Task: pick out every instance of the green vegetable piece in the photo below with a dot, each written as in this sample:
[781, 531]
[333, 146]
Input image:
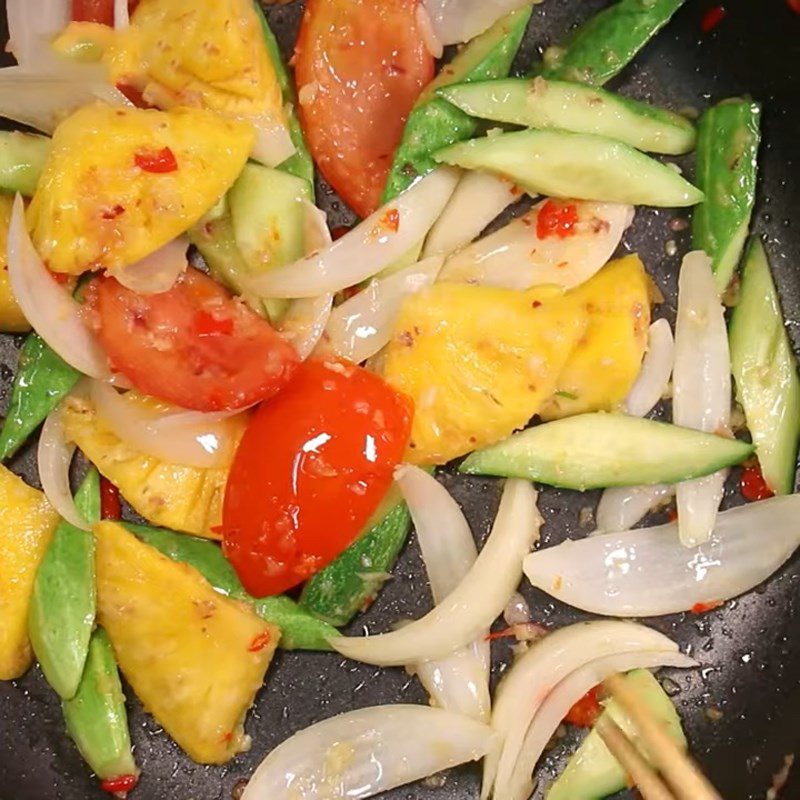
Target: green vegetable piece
[61, 615]
[96, 717]
[299, 629]
[540, 103]
[765, 371]
[593, 773]
[434, 123]
[22, 157]
[608, 41]
[727, 152]
[575, 165]
[343, 588]
[43, 380]
[593, 451]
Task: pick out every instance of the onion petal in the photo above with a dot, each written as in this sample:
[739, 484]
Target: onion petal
[621, 507]
[701, 387]
[383, 237]
[32, 27]
[456, 21]
[273, 144]
[647, 572]
[121, 15]
[558, 703]
[54, 457]
[514, 257]
[364, 752]
[49, 307]
[655, 372]
[157, 272]
[362, 325]
[476, 201]
[474, 604]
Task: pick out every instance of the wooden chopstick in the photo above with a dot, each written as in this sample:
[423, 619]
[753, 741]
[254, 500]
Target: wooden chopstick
[684, 777]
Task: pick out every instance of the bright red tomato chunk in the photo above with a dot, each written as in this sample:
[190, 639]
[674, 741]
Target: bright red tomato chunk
[101, 11]
[312, 467]
[753, 486]
[360, 66]
[586, 711]
[193, 345]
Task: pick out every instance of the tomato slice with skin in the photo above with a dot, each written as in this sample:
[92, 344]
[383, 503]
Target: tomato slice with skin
[193, 345]
[311, 469]
[360, 66]
[101, 11]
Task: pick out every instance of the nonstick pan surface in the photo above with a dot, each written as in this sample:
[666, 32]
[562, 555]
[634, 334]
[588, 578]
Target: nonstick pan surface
[742, 710]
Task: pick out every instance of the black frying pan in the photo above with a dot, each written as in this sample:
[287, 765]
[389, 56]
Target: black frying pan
[753, 664]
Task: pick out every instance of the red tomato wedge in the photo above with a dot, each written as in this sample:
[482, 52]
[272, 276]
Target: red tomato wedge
[360, 66]
[312, 467]
[101, 11]
[194, 345]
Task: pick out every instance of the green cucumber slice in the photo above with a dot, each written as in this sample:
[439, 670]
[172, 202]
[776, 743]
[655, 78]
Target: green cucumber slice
[593, 773]
[574, 165]
[727, 153]
[594, 451]
[540, 103]
[765, 370]
[22, 157]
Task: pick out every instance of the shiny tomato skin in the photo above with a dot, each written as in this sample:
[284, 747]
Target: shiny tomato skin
[101, 11]
[166, 346]
[311, 469]
[360, 66]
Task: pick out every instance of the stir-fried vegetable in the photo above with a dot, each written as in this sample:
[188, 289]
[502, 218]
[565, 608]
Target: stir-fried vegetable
[12, 319]
[22, 159]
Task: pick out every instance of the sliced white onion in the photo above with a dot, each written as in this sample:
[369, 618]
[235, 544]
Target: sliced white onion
[32, 27]
[516, 258]
[656, 370]
[43, 99]
[362, 325]
[534, 675]
[621, 507]
[48, 306]
[456, 21]
[475, 603]
[458, 682]
[517, 611]
[305, 319]
[121, 15]
[701, 396]
[53, 458]
[365, 752]
[647, 572]
[565, 695]
[476, 201]
[176, 436]
[273, 144]
[383, 237]
[157, 272]
[432, 42]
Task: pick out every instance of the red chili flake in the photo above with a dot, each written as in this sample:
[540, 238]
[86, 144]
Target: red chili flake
[536, 304]
[120, 784]
[586, 711]
[702, 608]
[390, 221]
[712, 18]
[556, 219]
[60, 277]
[156, 161]
[260, 642]
[206, 324]
[794, 5]
[134, 94]
[337, 233]
[503, 634]
[672, 515]
[226, 737]
[752, 485]
[368, 601]
[110, 506]
[113, 213]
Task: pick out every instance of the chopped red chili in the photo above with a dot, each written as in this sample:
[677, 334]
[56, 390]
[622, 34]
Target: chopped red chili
[260, 642]
[586, 711]
[156, 161]
[113, 213]
[110, 505]
[390, 221]
[206, 324]
[712, 18]
[702, 608]
[503, 634]
[120, 784]
[752, 485]
[556, 219]
[672, 515]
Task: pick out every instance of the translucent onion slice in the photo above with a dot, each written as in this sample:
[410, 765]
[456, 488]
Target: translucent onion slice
[533, 676]
[476, 201]
[273, 144]
[460, 681]
[456, 21]
[365, 752]
[383, 237]
[362, 325]
[516, 258]
[32, 27]
[47, 305]
[656, 369]
[647, 572]
[171, 434]
[157, 272]
[473, 605]
[701, 396]
[565, 695]
[428, 34]
[621, 507]
[121, 15]
[54, 457]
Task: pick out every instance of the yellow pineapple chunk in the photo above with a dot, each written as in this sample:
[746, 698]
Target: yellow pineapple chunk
[194, 657]
[478, 362]
[99, 202]
[606, 362]
[12, 320]
[177, 496]
[26, 526]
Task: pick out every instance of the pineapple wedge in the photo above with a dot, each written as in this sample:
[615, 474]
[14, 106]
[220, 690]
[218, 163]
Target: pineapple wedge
[194, 657]
[176, 496]
[12, 320]
[478, 362]
[28, 522]
[120, 183]
[606, 362]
